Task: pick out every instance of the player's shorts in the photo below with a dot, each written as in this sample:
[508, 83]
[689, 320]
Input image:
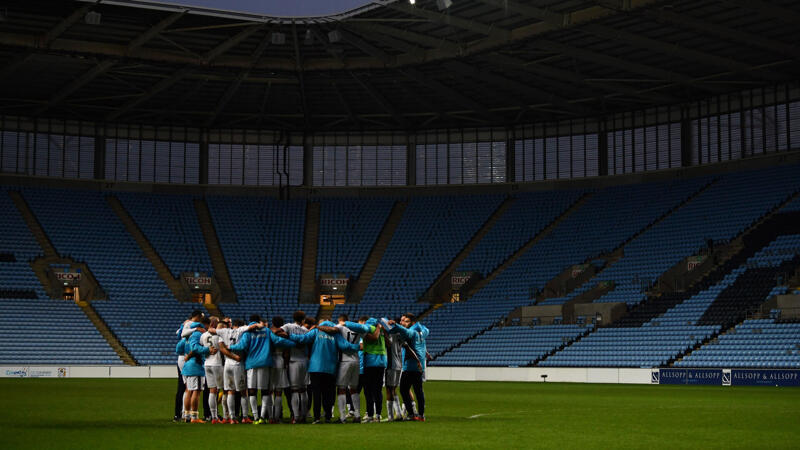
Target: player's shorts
[392, 377]
[258, 378]
[214, 377]
[234, 378]
[347, 375]
[194, 383]
[298, 374]
[278, 380]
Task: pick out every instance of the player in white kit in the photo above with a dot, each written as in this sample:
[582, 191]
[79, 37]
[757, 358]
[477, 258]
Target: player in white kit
[348, 370]
[298, 370]
[394, 357]
[214, 369]
[233, 375]
[278, 378]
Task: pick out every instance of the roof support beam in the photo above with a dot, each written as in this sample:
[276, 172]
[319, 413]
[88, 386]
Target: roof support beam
[299, 68]
[768, 9]
[545, 15]
[105, 66]
[346, 106]
[524, 89]
[237, 82]
[64, 25]
[611, 61]
[453, 94]
[366, 47]
[409, 36]
[381, 100]
[675, 50]
[705, 27]
[572, 77]
[223, 47]
[158, 87]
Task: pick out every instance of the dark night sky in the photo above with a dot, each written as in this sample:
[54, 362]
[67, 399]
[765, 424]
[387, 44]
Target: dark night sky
[279, 7]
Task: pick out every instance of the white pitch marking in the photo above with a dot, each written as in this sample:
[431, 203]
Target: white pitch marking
[489, 414]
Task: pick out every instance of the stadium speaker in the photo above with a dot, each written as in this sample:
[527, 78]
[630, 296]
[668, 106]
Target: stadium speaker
[278, 38]
[92, 18]
[444, 4]
[334, 36]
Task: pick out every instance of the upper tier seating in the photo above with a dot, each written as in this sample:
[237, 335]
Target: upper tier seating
[348, 230]
[601, 224]
[431, 233]
[170, 224]
[262, 240]
[529, 214]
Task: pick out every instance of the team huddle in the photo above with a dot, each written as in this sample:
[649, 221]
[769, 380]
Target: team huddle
[310, 363]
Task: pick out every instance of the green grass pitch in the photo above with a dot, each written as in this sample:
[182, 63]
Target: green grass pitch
[125, 413]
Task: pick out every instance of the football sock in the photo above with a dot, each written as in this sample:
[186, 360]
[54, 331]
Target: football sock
[245, 406]
[356, 404]
[254, 406]
[296, 409]
[266, 406]
[303, 404]
[342, 401]
[225, 411]
[231, 405]
[212, 405]
[277, 407]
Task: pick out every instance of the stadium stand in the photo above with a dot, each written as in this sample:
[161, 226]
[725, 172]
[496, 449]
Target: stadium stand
[595, 228]
[755, 343]
[432, 231]
[528, 215]
[348, 230]
[140, 309]
[170, 224]
[513, 345]
[262, 240]
[26, 320]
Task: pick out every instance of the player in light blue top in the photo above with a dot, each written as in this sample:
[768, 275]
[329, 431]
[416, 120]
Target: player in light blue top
[326, 343]
[257, 346]
[194, 372]
[414, 334]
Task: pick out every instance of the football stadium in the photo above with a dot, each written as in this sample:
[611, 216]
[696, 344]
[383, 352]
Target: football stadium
[400, 223]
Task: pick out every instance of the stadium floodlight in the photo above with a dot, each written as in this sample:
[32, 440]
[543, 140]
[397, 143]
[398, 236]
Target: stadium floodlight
[444, 4]
[278, 38]
[309, 37]
[92, 18]
[412, 1]
[334, 36]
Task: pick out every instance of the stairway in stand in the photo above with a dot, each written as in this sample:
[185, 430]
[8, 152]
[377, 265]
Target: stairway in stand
[308, 273]
[525, 247]
[375, 255]
[325, 312]
[50, 253]
[147, 248]
[462, 255]
[106, 332]
[215, 251]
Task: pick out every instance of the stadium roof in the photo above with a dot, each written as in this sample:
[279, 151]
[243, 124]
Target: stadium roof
[387, 65]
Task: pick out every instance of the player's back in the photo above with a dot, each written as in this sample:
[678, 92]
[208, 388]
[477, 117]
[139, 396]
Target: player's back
[297, 353]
